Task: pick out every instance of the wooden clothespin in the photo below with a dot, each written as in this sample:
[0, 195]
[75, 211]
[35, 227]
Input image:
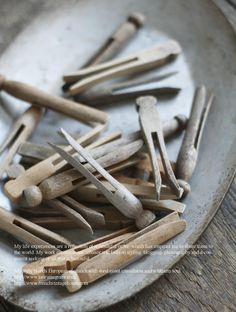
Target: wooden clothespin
[122, 199]
[123, 90]
[25, 186]
[33, 153]
[188, 153]
[152, 132]
[36, 272]
[40, 98]
[90, 194]
[122, 35]
[124, 252]
[29, 232]
[21, 131]
[66, 181]
[138, 62]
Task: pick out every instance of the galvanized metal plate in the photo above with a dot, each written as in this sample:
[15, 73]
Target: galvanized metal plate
[60, 39]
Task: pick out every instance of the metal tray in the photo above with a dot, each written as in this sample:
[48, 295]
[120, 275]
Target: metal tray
[59, 39]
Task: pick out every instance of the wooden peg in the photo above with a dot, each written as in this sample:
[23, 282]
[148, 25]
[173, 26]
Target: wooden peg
[123, 91]
[122, 35]
[188, 153]
[44, 169]
[135, 63]
[122, 199]
[36, 272]
[90, 194]
[40, 98]
[32, 152]
[151, 129]
[119, 38]
[21, 131]
[28, 232]
[122, 254]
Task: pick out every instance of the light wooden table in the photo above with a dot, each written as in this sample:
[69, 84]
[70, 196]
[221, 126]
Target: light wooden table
[204, 282]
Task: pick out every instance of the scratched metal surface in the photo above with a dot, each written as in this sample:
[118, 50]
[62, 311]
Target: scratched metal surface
[61, 38]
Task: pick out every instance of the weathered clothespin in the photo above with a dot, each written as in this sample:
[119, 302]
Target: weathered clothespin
[152, 132]
[124, 252]
[21, 131]
[123, 91]
[122, 199]
[32, 153]
[188, 153]
[144, 60]
[122, 35]
[30, 233]
[36, 272]
[40, 98]
[89, 193]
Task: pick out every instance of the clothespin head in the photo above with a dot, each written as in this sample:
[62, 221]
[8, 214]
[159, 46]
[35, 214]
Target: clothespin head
[137, 18]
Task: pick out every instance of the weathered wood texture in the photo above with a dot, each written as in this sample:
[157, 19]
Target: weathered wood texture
[205, 282]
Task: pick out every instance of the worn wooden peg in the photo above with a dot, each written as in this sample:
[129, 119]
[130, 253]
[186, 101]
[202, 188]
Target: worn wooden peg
[152, 132]
[40, 98]
[135, 63]
[122, 253]
[188, 153]
[122, 35]
[122, 199]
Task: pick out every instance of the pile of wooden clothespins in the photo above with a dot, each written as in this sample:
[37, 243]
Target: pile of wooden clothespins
[117, 181]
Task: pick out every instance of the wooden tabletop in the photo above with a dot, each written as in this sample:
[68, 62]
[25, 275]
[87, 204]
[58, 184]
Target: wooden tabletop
[200, 282]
